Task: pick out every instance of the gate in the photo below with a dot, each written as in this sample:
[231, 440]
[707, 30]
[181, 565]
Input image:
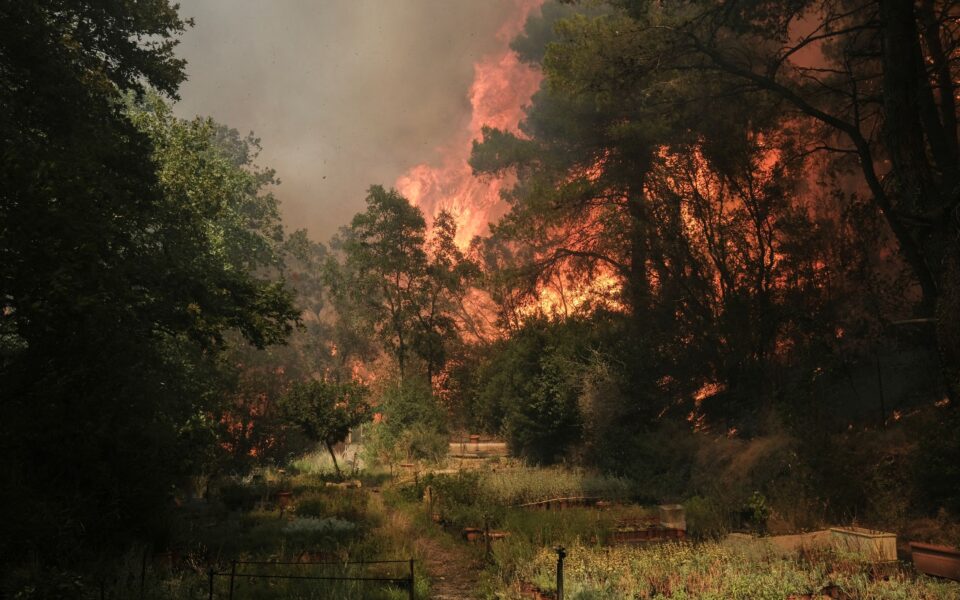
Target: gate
[239, 570]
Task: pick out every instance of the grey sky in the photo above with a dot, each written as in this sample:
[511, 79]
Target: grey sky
[343, 93]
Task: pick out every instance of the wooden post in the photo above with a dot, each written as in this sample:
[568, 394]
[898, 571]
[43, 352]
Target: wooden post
[486, 535]
[210, 583]
[233, 574]
[412, 581]
[561, 554]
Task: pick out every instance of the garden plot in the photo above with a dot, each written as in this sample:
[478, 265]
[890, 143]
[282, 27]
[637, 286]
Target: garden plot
[617, 549]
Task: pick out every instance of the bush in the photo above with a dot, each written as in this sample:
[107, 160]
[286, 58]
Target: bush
[544, 424]
[421, 442]
[661, 462]
[706, 518]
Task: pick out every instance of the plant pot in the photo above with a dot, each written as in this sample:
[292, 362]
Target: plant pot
[875, 545]
[934, 559]
[284, 498]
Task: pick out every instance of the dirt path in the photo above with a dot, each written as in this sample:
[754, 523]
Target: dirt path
[453, 570]
[454, 573]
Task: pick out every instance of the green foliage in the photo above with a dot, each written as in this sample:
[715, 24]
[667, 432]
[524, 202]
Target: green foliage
[662, 459]
[546, 424]
[756, 512]
[384, 256]
[413, 426]
[399, 281]
[132, 242]
[528, 387]
[229, 227]
[706, 517]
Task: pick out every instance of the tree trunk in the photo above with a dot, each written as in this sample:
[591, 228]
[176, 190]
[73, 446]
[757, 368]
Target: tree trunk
[903, 132]
[336, 467]
[917, 189]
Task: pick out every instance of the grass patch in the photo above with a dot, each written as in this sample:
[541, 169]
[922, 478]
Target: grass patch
[711, 571]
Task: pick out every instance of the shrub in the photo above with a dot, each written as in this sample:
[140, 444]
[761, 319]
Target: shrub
[544, 424]
[706, 518]
[661, 461]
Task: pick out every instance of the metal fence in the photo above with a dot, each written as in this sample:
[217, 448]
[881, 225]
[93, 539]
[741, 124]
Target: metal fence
[238, 571]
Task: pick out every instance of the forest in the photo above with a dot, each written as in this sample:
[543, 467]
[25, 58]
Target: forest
[726, 278]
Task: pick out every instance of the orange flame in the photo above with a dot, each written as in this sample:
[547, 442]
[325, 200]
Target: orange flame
[502, 85]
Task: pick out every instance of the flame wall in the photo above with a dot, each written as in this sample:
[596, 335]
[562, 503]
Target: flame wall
[501, 86]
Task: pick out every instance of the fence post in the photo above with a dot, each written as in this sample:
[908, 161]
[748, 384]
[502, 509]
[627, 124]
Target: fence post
[210, 583]
[561, 554]
[412, 581]
[486, 535]
[233, 574]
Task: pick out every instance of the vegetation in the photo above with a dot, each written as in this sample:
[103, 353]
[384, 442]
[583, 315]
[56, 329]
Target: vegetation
[713, 571]
[728, 276]
[326, 412]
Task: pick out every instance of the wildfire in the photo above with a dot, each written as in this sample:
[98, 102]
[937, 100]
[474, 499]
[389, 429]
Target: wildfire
[502, 85]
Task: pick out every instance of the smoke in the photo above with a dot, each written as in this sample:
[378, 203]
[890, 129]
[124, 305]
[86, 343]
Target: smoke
[343, 94]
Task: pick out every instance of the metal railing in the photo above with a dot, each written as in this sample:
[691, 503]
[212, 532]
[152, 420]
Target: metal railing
[407, 581]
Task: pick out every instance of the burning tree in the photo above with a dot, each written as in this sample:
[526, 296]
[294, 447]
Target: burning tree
[690, 154]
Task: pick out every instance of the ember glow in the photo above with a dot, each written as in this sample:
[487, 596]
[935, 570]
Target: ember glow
[502, 85]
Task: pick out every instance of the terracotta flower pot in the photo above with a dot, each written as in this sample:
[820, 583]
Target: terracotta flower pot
[933, 559]
[284, 498]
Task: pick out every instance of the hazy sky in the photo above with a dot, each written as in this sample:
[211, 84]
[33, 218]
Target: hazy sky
[343, 93]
